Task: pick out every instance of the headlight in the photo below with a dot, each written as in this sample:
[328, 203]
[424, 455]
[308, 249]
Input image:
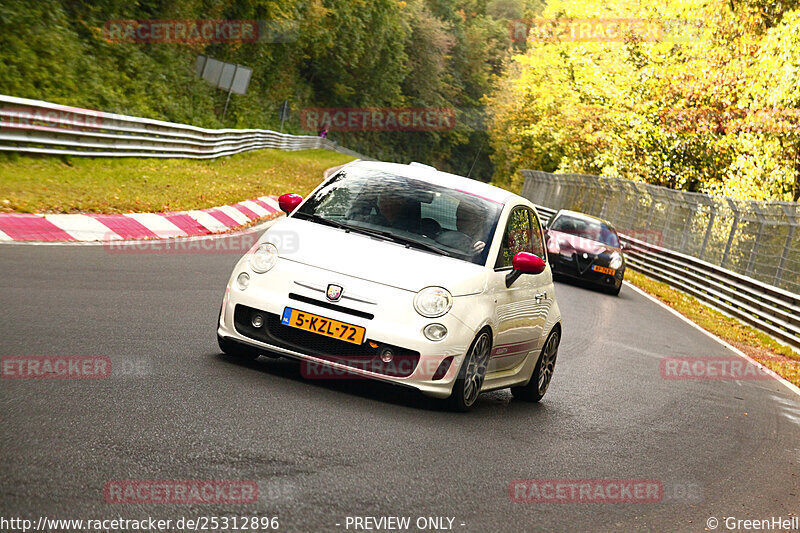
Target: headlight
[264, 258]
[552, 245]
[432, 302]
[616, 260]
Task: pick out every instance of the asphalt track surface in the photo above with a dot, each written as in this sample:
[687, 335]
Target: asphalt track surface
[323, 451]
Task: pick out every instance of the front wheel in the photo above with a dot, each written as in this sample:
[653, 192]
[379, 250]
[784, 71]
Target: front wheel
[473, 371]
[542, 374]
[614, 289]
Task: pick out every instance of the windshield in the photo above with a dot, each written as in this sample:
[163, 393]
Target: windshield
[588, 229]
[412, 212]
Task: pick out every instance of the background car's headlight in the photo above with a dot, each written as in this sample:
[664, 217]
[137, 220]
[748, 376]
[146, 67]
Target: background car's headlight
[264, 258]
[553, 246]
[432, 302]
[616, 260]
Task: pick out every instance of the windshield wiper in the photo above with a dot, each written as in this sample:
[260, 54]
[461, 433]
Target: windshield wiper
[323, 220]
[388, 235]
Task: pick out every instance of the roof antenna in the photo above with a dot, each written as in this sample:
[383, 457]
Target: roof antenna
[476, 157]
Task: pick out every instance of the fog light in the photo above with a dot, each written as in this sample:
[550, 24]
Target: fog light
[435, 332]
[257, 321]
[243, 281]
[387, 355]
[444, 366]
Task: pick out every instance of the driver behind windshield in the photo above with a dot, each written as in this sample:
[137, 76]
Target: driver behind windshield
[397, 211]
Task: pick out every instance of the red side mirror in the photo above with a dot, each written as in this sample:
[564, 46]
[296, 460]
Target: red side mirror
[528, 263]
[289, 202]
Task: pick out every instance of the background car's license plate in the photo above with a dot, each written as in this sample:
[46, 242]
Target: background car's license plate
[604, 270]
[323, 326]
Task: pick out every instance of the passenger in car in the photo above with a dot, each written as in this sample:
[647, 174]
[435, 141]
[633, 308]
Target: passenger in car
[470, 221]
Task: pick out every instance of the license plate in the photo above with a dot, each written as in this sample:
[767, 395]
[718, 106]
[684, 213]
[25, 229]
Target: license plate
[323, 326]
[603, 270]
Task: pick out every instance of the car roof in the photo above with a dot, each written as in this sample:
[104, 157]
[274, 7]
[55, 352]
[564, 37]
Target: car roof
[445, 179]
[584, 216]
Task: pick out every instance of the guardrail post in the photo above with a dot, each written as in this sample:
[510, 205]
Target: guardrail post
[531, 186]
[540, 188]
[653, 201]
[554, 191]
[594, 200]
[667, 220]
[688, 222]
[589, 192]
[784, 256]
[759, 236]
[786, 246]
[711, 217]
[633, 213]
[734, 226]
[604, 207]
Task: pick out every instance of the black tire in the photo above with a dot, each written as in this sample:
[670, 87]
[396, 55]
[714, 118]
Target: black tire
[234, 349]
[614, 290]
[467, 387]
[537, 386]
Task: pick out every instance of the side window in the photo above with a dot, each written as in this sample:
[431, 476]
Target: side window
[516, 238]
[537, 237]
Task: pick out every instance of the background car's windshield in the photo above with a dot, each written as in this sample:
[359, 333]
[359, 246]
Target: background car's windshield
[588, 229]
[453, 222]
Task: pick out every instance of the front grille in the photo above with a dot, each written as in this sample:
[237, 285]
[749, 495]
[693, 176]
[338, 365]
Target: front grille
[328, 305]
[361, 356]
[584, 265]
[576, 266]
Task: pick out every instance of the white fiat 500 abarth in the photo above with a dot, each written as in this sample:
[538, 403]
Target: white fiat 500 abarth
[403, 274]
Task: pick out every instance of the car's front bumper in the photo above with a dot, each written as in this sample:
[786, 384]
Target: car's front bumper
[568, 266]
[387, 313]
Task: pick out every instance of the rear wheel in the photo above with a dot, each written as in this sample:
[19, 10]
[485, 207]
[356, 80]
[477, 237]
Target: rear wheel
[543, 373]
[235, 349]
[470, 378]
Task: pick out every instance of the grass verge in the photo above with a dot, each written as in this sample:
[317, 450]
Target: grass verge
[760, 346]
[119, 185]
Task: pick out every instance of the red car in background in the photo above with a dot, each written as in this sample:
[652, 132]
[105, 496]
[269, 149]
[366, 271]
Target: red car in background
[587, 248]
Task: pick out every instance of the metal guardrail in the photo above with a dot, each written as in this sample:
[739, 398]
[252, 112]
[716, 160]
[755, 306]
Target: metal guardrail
[770, 309]
[38, 127]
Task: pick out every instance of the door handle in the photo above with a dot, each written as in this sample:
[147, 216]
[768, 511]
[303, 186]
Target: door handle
[540, 296]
